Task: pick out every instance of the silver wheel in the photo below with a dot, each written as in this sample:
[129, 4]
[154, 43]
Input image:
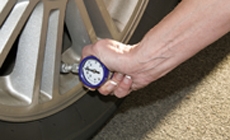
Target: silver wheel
[36, 35]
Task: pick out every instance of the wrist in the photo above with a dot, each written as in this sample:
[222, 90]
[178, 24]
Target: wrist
[132, 60]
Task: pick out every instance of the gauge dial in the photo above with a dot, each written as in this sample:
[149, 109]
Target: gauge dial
[93, 73]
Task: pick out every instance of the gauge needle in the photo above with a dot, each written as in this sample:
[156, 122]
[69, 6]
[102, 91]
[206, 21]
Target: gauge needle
[92, 70]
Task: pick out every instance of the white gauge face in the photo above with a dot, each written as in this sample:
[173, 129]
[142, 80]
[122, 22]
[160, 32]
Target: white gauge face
[93, 72]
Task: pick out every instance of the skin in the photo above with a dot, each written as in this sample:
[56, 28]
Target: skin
[189, 28]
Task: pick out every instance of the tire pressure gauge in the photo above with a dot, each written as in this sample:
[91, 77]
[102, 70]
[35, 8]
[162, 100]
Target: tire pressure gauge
[92, 72]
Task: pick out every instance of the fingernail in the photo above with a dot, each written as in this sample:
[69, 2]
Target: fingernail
[127, 79]
[110, 85]
[113, 83]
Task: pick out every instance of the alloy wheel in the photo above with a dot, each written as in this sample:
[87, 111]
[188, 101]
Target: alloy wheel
[37, 35]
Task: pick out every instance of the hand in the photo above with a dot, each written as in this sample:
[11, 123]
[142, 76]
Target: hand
[126, 63]
[112, 54]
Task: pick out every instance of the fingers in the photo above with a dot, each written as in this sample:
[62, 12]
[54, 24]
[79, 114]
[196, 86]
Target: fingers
[124, 88]
[108, 87]
[111, 84]
[119, 85]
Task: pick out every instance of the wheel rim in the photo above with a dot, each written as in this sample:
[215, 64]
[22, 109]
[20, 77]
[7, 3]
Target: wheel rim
[41, 34]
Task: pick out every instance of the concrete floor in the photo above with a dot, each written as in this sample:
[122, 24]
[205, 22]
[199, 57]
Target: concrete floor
[191, 102]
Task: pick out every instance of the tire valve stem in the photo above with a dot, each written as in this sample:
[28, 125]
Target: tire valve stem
[68, 68]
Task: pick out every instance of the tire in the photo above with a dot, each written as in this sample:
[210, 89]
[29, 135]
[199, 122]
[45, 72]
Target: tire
[35, 36]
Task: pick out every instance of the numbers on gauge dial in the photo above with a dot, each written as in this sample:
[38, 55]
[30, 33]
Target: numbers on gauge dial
[93, 72]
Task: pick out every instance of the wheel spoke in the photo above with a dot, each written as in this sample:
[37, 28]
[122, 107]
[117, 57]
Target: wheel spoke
[115, 19]
[13, 24]
[81, 33]
[79, 26]
[100, 18]
[24, 77]
[42, 36]
[53, 47]
[5, 8]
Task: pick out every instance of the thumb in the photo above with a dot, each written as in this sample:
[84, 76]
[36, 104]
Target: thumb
[86, 51]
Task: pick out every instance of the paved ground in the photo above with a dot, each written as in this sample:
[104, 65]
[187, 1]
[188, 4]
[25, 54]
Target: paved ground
[191, 102]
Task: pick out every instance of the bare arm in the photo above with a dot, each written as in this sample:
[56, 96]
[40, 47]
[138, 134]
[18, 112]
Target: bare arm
[190, 27]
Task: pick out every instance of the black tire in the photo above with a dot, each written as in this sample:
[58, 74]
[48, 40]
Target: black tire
[86, 116]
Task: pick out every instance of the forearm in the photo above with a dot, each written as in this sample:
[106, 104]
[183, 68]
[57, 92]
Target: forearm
[189, 28]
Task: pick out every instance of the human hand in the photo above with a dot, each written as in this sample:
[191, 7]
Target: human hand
[112, 54]
[122, 60]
